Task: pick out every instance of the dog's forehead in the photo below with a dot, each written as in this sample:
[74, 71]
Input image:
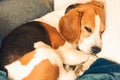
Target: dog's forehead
[88, 22]
[88, 17]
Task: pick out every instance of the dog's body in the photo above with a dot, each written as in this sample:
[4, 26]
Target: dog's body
[77, 29]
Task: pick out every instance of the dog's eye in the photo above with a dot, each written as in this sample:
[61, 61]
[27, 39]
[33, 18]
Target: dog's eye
[88, 29]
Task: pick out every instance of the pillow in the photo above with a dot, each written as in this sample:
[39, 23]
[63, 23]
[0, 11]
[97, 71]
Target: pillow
[111, 36]
[16, 12]
[60, 4]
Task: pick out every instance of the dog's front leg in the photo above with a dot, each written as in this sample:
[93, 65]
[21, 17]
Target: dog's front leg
[72, 56]
[79, 59]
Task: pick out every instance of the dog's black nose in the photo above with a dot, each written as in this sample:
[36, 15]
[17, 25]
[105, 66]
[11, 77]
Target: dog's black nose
[96, 49]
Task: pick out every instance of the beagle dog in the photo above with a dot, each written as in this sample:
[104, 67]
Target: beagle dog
[71, 42]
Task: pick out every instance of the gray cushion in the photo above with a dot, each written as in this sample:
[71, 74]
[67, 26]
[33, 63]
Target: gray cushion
[16, 12]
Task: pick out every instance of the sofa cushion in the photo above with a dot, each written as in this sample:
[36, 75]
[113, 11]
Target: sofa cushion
[16, 12]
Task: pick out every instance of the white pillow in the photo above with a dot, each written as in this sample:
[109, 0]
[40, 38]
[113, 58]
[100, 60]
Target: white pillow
[60, 4]
[111, 36]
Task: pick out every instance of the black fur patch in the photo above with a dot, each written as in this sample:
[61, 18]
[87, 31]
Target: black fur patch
[71, 7]
[21, 40]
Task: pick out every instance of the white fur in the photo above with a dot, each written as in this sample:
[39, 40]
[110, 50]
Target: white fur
[93, 40]
[17, 71]
[70, 55]
[84, 66]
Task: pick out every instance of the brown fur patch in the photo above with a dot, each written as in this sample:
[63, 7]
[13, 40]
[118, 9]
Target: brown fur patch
[44, 71]
[55, 37]
[27, 58]
[70, 25]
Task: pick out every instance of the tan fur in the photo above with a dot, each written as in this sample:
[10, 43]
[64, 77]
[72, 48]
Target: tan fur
[69, 26]
[99, 11]
[44, 71]
[55, 37]
[27, 57]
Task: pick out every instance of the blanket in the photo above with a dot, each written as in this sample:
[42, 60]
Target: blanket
[100, 71]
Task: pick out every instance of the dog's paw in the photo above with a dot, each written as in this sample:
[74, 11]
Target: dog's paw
[69, 75]
[40, 44]
[88, 63]
[81, 68]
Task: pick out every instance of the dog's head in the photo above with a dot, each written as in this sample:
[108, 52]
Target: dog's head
[83, 25]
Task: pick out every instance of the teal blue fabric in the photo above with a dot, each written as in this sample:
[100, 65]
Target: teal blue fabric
[3, 76]
[101, 76]
[102, 69]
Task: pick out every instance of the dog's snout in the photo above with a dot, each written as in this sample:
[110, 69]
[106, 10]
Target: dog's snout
[96, 49]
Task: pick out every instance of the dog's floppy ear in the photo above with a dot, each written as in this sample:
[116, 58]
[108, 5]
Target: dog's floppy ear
[70, 25]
